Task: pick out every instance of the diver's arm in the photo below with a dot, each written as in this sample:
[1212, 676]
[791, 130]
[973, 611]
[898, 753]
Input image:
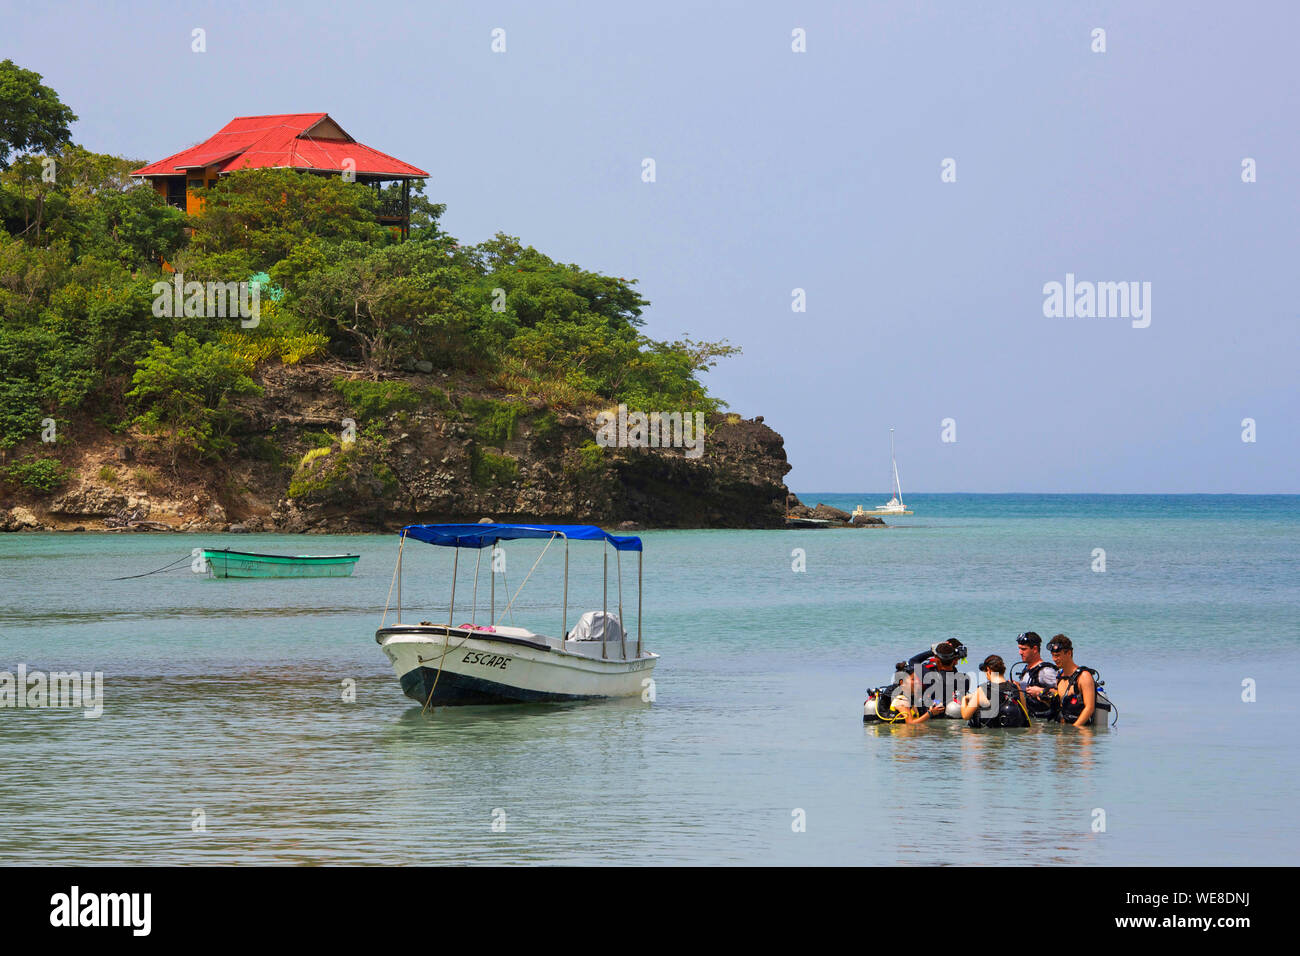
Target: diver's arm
[922, 715]
[972, 703]
[923, 656]
[1088, 688]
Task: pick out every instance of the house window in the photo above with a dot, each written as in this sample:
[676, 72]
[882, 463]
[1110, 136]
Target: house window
[196, 184]
[176, 192]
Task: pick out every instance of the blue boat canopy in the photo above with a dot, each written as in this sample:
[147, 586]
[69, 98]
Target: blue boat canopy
[486, 535]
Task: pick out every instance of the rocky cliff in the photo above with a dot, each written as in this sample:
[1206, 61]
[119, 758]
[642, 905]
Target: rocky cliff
[319, 451]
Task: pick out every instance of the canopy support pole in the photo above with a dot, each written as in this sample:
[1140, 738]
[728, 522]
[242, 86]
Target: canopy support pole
[638, 603]
[399, 578]
[478, 563]
[494, 584]
[622, 628]
[451, 611]
[564, 629]
[604, 604]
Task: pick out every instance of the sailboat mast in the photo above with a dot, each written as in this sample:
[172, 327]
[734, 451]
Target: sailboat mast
[893, 466]
[898, 487]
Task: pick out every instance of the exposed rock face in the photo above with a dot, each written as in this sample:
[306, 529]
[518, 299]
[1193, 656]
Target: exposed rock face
[830, 514]
[459, 453]
[826, 516]
[18, 519]
[93, 502]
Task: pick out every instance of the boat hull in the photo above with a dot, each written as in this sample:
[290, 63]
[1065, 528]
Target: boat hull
[444, 672]
[241, 564]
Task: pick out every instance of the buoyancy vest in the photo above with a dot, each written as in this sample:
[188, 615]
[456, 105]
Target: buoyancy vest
[1011, 712]
[1042, 706]
[940, 686]
[1072, 702]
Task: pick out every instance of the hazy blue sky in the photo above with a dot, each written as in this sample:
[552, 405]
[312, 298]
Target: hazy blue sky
[821, 170]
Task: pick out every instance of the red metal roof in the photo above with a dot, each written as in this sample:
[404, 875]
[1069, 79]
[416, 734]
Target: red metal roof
[287, 140]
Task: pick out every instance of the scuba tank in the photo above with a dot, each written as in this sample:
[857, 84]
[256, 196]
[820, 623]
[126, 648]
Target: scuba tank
[1009, 711]
[879, 705]
[953, 709]
[1072, 702]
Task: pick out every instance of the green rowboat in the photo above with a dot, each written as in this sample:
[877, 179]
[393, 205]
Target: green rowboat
[246, 564]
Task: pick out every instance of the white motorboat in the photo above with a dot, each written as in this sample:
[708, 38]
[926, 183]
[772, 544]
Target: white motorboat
[451, 664]
[895, 504]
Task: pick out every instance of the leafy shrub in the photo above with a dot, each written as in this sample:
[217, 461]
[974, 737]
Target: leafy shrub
[586, 461]
[545, 427]
[42, 475]
[185, 389]
[314, 439]
[353, 473]
[373, 399]
[494, 422]
[487, 469]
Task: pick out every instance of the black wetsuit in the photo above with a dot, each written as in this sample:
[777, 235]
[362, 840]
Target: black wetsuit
[1043, 706]
[1010, 713]
[939, 686]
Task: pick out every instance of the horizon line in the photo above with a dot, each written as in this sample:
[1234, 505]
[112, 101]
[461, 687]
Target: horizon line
[1116, 494]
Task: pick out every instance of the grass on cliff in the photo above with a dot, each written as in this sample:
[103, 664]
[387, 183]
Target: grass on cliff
[372, 400]
[487, 470]
[347, 473]
[494, 421]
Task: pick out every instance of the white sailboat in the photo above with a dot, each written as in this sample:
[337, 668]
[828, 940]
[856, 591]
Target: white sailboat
[895, 504]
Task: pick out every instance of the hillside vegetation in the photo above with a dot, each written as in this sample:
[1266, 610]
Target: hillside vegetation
[381, 380]
[81, 248]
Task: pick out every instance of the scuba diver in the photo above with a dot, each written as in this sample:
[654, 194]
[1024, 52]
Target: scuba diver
[941, 682]
[1038, 679]
[935, 691]
[908, 697]
[998, 702]
[1077, 686]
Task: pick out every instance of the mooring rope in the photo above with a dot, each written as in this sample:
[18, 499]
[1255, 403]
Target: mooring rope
[446, 649]
[166, 567]
[446, 643]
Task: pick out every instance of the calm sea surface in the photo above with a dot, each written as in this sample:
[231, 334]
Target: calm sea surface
[224, 701]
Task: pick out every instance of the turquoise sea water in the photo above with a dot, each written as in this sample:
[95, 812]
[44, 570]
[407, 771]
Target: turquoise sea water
[226, 699]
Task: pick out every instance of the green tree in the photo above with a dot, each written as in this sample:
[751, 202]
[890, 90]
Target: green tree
[31, 114]
[92, 204]
[396, 302]
[268, 212]
[185, 390]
